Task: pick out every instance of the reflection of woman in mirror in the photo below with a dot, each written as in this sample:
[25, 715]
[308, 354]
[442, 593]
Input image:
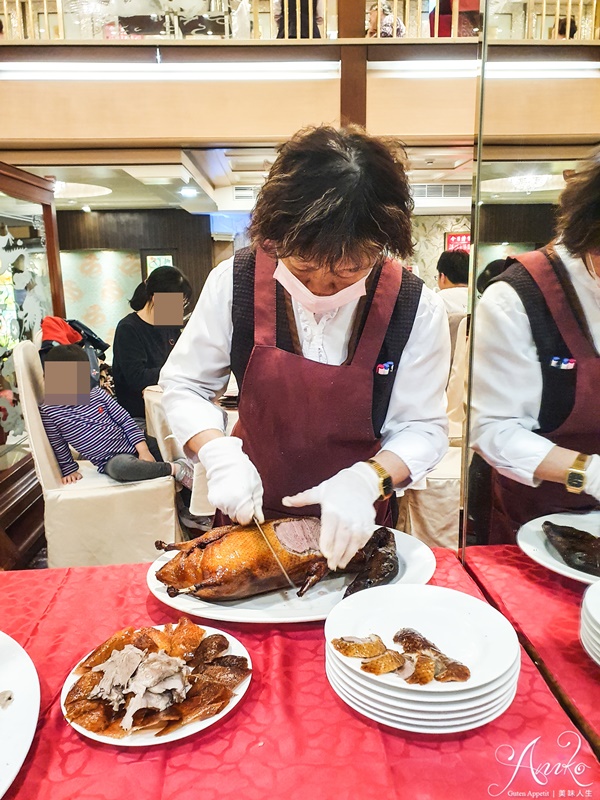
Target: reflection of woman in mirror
[536, 416]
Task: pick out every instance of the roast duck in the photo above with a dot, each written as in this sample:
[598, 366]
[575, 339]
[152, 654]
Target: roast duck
[234, 561]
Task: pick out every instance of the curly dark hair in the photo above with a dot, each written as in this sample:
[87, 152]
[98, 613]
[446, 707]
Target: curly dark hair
[578, 219]
[335, 196]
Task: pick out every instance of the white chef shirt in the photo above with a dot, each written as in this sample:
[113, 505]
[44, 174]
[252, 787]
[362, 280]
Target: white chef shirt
[198, 368]
[507, 375]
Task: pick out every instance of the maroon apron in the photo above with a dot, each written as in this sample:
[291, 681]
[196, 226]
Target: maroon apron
[513, 503]
[301, 421]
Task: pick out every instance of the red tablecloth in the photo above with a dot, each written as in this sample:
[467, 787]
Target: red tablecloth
[290, 737]
[545, 608]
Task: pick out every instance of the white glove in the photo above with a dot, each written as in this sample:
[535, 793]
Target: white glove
[347, 511]
[592, 477]
[234, 484]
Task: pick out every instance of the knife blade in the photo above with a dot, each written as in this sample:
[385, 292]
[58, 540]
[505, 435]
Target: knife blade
[275, 556]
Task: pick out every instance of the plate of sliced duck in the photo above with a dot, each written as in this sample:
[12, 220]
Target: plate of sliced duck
[157, 684]
[232, 573]
[568, 544]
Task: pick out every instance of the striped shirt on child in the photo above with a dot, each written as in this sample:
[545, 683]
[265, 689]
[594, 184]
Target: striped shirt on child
[97, 430]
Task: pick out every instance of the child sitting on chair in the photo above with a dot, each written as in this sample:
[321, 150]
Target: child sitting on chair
[95, 425]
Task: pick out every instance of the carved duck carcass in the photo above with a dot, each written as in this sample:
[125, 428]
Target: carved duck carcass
[234, 561]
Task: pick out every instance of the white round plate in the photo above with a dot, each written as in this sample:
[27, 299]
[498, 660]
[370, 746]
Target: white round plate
[416, 564]
[592, 639]
[433, 700]
[416, 719]
[592, 626]
[421, 711]
[461, 626]
[591, 603]
[414, 727]
[147, 738]
[589, 650]
[18, 720]
[533, 542]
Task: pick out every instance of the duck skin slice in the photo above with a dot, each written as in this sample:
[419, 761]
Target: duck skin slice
[578, 549]
[355, 647]
[429, 659]
[389, 661]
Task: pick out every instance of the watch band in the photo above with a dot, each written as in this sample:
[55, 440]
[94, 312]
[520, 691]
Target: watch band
[575, 478]
[386, 485]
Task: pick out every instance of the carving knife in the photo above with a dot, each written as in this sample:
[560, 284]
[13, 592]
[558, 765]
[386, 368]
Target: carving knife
[270, 546]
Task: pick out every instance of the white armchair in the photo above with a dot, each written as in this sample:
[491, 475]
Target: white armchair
[96, 520]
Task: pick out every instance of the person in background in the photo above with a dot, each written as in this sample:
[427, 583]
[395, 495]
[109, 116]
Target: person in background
[536, 369]
[341, 356]
[386, 26]
[101, 432]
[290, 25]
[562, 28]
[140, 346]
[453, 280]
[489, 272]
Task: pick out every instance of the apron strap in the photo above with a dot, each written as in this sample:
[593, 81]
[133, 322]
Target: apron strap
[378, 319]
[379, 316]
[265, 300]
[543, 270]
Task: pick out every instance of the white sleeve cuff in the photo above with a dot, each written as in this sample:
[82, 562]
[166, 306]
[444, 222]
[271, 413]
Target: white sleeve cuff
[420, 450]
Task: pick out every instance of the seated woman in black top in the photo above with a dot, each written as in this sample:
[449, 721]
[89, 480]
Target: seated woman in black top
[142, 345]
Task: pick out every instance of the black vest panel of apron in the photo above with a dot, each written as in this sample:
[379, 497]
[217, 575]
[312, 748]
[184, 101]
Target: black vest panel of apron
[293, 23]
[558, 385]
[397, 335]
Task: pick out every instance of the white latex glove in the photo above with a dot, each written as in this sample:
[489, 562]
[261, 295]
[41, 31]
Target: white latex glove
[234, 484]
[592, 478]
[347, 511]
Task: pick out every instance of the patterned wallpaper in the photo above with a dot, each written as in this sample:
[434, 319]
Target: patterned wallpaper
[98, 285]
[428, 236]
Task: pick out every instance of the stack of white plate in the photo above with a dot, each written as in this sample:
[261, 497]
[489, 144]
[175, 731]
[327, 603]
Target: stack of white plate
[462, 627]
[589, 631]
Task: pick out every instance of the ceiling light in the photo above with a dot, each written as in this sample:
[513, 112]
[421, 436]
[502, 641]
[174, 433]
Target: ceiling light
[188, 191]
[86, 208]
[64, 190]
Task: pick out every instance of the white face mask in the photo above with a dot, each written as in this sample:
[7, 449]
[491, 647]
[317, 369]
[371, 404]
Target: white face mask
[313, 302]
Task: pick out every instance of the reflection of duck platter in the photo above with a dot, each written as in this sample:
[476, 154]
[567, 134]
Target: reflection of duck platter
[567, 544]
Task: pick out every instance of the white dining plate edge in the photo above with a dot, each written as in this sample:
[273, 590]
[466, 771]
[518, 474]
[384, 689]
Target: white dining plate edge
[27, 674]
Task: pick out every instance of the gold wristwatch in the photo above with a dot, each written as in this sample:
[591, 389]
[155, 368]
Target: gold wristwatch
[386, 485]
[575, 477]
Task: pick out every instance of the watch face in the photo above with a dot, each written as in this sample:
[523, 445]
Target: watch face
[576, 480]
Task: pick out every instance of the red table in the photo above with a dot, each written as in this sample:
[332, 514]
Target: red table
[545, 609]
[290, 737]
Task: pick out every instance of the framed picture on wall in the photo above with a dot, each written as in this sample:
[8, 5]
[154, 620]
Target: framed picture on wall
[151, 259]
[457, 240]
